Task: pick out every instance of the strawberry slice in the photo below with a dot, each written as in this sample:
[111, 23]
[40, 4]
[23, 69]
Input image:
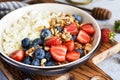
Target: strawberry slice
[70, 45]
[72, 28]
[18, 55]
[88, 28]
[53, 41]
[83, 37]
[58, 52]
[72, 56]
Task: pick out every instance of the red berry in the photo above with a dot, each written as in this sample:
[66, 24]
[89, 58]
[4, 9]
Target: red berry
[88, 28]
[72, 56]
[69, 45]
[58, 52]
[53, 41]
[83, 37]
[72, 28]
[105, 34]
[18, 55]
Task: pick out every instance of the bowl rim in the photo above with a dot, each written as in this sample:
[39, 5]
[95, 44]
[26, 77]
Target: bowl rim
[4, 56]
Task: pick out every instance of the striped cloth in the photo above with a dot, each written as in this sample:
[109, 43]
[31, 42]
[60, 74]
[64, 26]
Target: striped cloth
[6, 7]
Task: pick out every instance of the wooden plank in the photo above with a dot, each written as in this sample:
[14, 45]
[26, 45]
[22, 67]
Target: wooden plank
[106, 50]
[86, 71]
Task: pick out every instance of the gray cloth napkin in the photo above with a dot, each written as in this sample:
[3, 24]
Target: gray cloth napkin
[6, 7]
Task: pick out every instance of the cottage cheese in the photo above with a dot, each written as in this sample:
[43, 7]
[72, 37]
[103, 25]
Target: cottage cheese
[25, 27]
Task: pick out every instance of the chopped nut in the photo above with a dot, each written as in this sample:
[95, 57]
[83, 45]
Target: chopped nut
[39, 47]
[58, 24]
[52, 13]
[55, 32]
[43, 62]
[78, 25]
[52, 31]
[58, 63]
[53, 21]
[88, 47]
[46, 48]
[61, 15]
[61, 22]
[40, 28]
[78, 45]
[85, 52]
[66, 36]
[30, 51]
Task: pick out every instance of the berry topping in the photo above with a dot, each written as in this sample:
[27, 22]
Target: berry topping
[45, 33]
[48, 56]
[39, 53]
[78, 18]
[27, 60]
[50, 63]
[72, 56]
[83, 37]
[53, 41]
[58, 52]
[88, 28]
[37, 42]
[81, 51]
[70, 45]
[59, 28]
[72, 28]
[73, 37]
[25, 42]
[36, 62]
[18, 55]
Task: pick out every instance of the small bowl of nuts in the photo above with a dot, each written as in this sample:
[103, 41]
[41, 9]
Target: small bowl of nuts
[48, 38]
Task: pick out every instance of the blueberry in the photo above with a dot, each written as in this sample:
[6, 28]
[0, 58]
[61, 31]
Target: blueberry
[36, 62]
[48, 56]
[27, 60]
[50, 63]
[25, 42]
[81, 52]
[45, 33]
[59, 28]
[30, 46]
[25, 49]
[39, 53]
[78, 18]
[73, 37]
[37, 42]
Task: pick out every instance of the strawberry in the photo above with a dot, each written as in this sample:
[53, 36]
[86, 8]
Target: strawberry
[70, 45]
[58, 52]
[72, 56]
[72, 28]
[88, 28]
[107, 35]
[83, 37]
[53, 41]
[18, 55]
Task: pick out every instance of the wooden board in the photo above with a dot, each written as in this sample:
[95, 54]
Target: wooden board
[87, 71]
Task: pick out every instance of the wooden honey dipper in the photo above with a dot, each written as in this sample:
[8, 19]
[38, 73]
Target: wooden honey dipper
[97, 13]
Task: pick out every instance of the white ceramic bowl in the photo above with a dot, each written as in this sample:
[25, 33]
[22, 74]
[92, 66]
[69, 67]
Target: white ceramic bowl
[52, 7]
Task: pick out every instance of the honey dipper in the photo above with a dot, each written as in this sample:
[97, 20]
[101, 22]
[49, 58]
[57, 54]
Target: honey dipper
[97, 13]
